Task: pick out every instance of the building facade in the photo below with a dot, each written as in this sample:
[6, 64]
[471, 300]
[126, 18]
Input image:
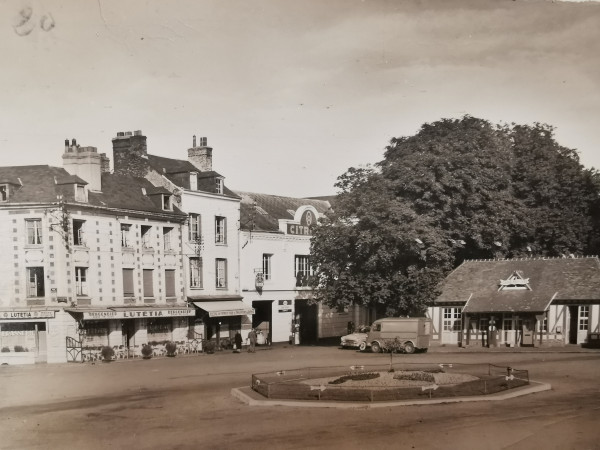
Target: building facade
[276, 268]
[210, 234]
[94, 259]
[519, 302]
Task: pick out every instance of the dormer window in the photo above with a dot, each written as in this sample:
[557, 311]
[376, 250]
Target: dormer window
[80, 193]
[166, 201]
[193, 181]
[3, 192]
[219, 185]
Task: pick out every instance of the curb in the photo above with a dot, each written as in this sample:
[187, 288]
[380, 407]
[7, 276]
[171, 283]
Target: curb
[246, 395]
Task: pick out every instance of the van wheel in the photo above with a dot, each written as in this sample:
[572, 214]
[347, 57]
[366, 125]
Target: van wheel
[409, 347]
[363, 346]
[375, 347]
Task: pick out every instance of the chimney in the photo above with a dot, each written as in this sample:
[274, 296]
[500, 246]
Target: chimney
[67, 146]
[201, 156]
[104, 163]
[85, 162]
[130, 154]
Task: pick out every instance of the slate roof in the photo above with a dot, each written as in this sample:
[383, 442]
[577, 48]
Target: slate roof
[271, 208]
[476, 284]
[177, 172]
[42, 184]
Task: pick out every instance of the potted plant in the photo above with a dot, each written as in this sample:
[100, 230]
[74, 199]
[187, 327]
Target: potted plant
[208, 346]
[147, 351]
[171, 348]
[107, 353]
[5, 350]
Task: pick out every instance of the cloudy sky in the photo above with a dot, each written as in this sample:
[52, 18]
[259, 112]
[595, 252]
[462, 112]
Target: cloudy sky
[290, 93]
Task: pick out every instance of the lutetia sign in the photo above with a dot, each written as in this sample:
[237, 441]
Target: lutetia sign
[20, 315]
[137, 314]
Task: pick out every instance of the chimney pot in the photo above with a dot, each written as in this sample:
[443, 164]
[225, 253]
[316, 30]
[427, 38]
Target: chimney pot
[194, 142]
[137, 132]
[73, 142]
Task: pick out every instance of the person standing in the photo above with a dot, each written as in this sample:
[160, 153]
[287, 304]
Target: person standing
[252, 339]
[237, 340]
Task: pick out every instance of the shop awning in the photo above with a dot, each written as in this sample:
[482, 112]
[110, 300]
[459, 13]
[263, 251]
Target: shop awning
[132, 312]
[225, 308]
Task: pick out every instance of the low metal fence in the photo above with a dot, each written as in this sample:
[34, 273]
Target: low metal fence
[315, 383]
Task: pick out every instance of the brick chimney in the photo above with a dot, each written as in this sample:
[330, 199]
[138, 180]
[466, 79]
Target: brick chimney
[85, 162]
[200, 155]
[104, 163]
[130, 154]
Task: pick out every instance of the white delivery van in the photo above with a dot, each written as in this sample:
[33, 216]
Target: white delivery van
[412, 333]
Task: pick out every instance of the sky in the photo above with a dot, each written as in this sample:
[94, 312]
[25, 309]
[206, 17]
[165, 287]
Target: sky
[290, 94]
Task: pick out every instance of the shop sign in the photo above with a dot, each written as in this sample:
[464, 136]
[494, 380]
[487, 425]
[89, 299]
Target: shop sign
[285, 305]
[18, 315]
[307, 220]
[231, 312]
[137, 314]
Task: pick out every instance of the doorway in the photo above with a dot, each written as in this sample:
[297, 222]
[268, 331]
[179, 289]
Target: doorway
[128, 331]
[306, 321]
[263, 318]
[573, 317]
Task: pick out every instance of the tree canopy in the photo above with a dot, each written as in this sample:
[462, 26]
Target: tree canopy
[458, 189]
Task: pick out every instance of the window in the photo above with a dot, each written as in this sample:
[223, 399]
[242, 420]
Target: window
[170, 283]
[195, 272]
[81, 286]
[167, 202]
[302, 270]
[80, 193]
[146, 236]
[167, 233]
[125, 235]
[128, 290]
[35, 282]
[34, 231]
[194, 226]
[221, 273]
[78, 232]
[148, 275]
[193, 181]
[451, 319]
[219, 185]
[266, 266]
[584, 316]
[220, 230]
[3, 192]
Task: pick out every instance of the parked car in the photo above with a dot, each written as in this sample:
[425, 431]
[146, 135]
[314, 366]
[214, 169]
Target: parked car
[354, 340]
[412, 333]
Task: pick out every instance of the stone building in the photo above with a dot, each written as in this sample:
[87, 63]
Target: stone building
[90, 258]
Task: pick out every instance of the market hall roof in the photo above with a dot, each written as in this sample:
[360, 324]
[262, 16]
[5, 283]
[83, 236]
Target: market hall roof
[262, 212]
[484, 286]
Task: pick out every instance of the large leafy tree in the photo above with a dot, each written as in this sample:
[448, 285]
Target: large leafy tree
[457, 189]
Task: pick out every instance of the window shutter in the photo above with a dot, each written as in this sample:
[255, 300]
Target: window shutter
[128, 283]
[148, 285]
[170, 283]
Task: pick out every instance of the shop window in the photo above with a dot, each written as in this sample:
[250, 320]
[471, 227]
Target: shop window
[195, 272]
[81, 283]
[128, 290]
[194, 227]
[451, 320]
[35, 282]
[221, 273]
[34, 231]
[266, 266]
[125, 235]
[584, 316]
[170, 283]
[167, 238]
[148, 278]
[146, 231]
[78, 232]
[220, 230]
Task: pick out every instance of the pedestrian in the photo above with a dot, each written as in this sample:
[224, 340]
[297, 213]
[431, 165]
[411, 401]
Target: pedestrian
[252, 339]
[237, 341]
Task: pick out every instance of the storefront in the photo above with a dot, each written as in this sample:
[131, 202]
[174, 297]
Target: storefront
[220, 318]
[25, 331]
[131, 327]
